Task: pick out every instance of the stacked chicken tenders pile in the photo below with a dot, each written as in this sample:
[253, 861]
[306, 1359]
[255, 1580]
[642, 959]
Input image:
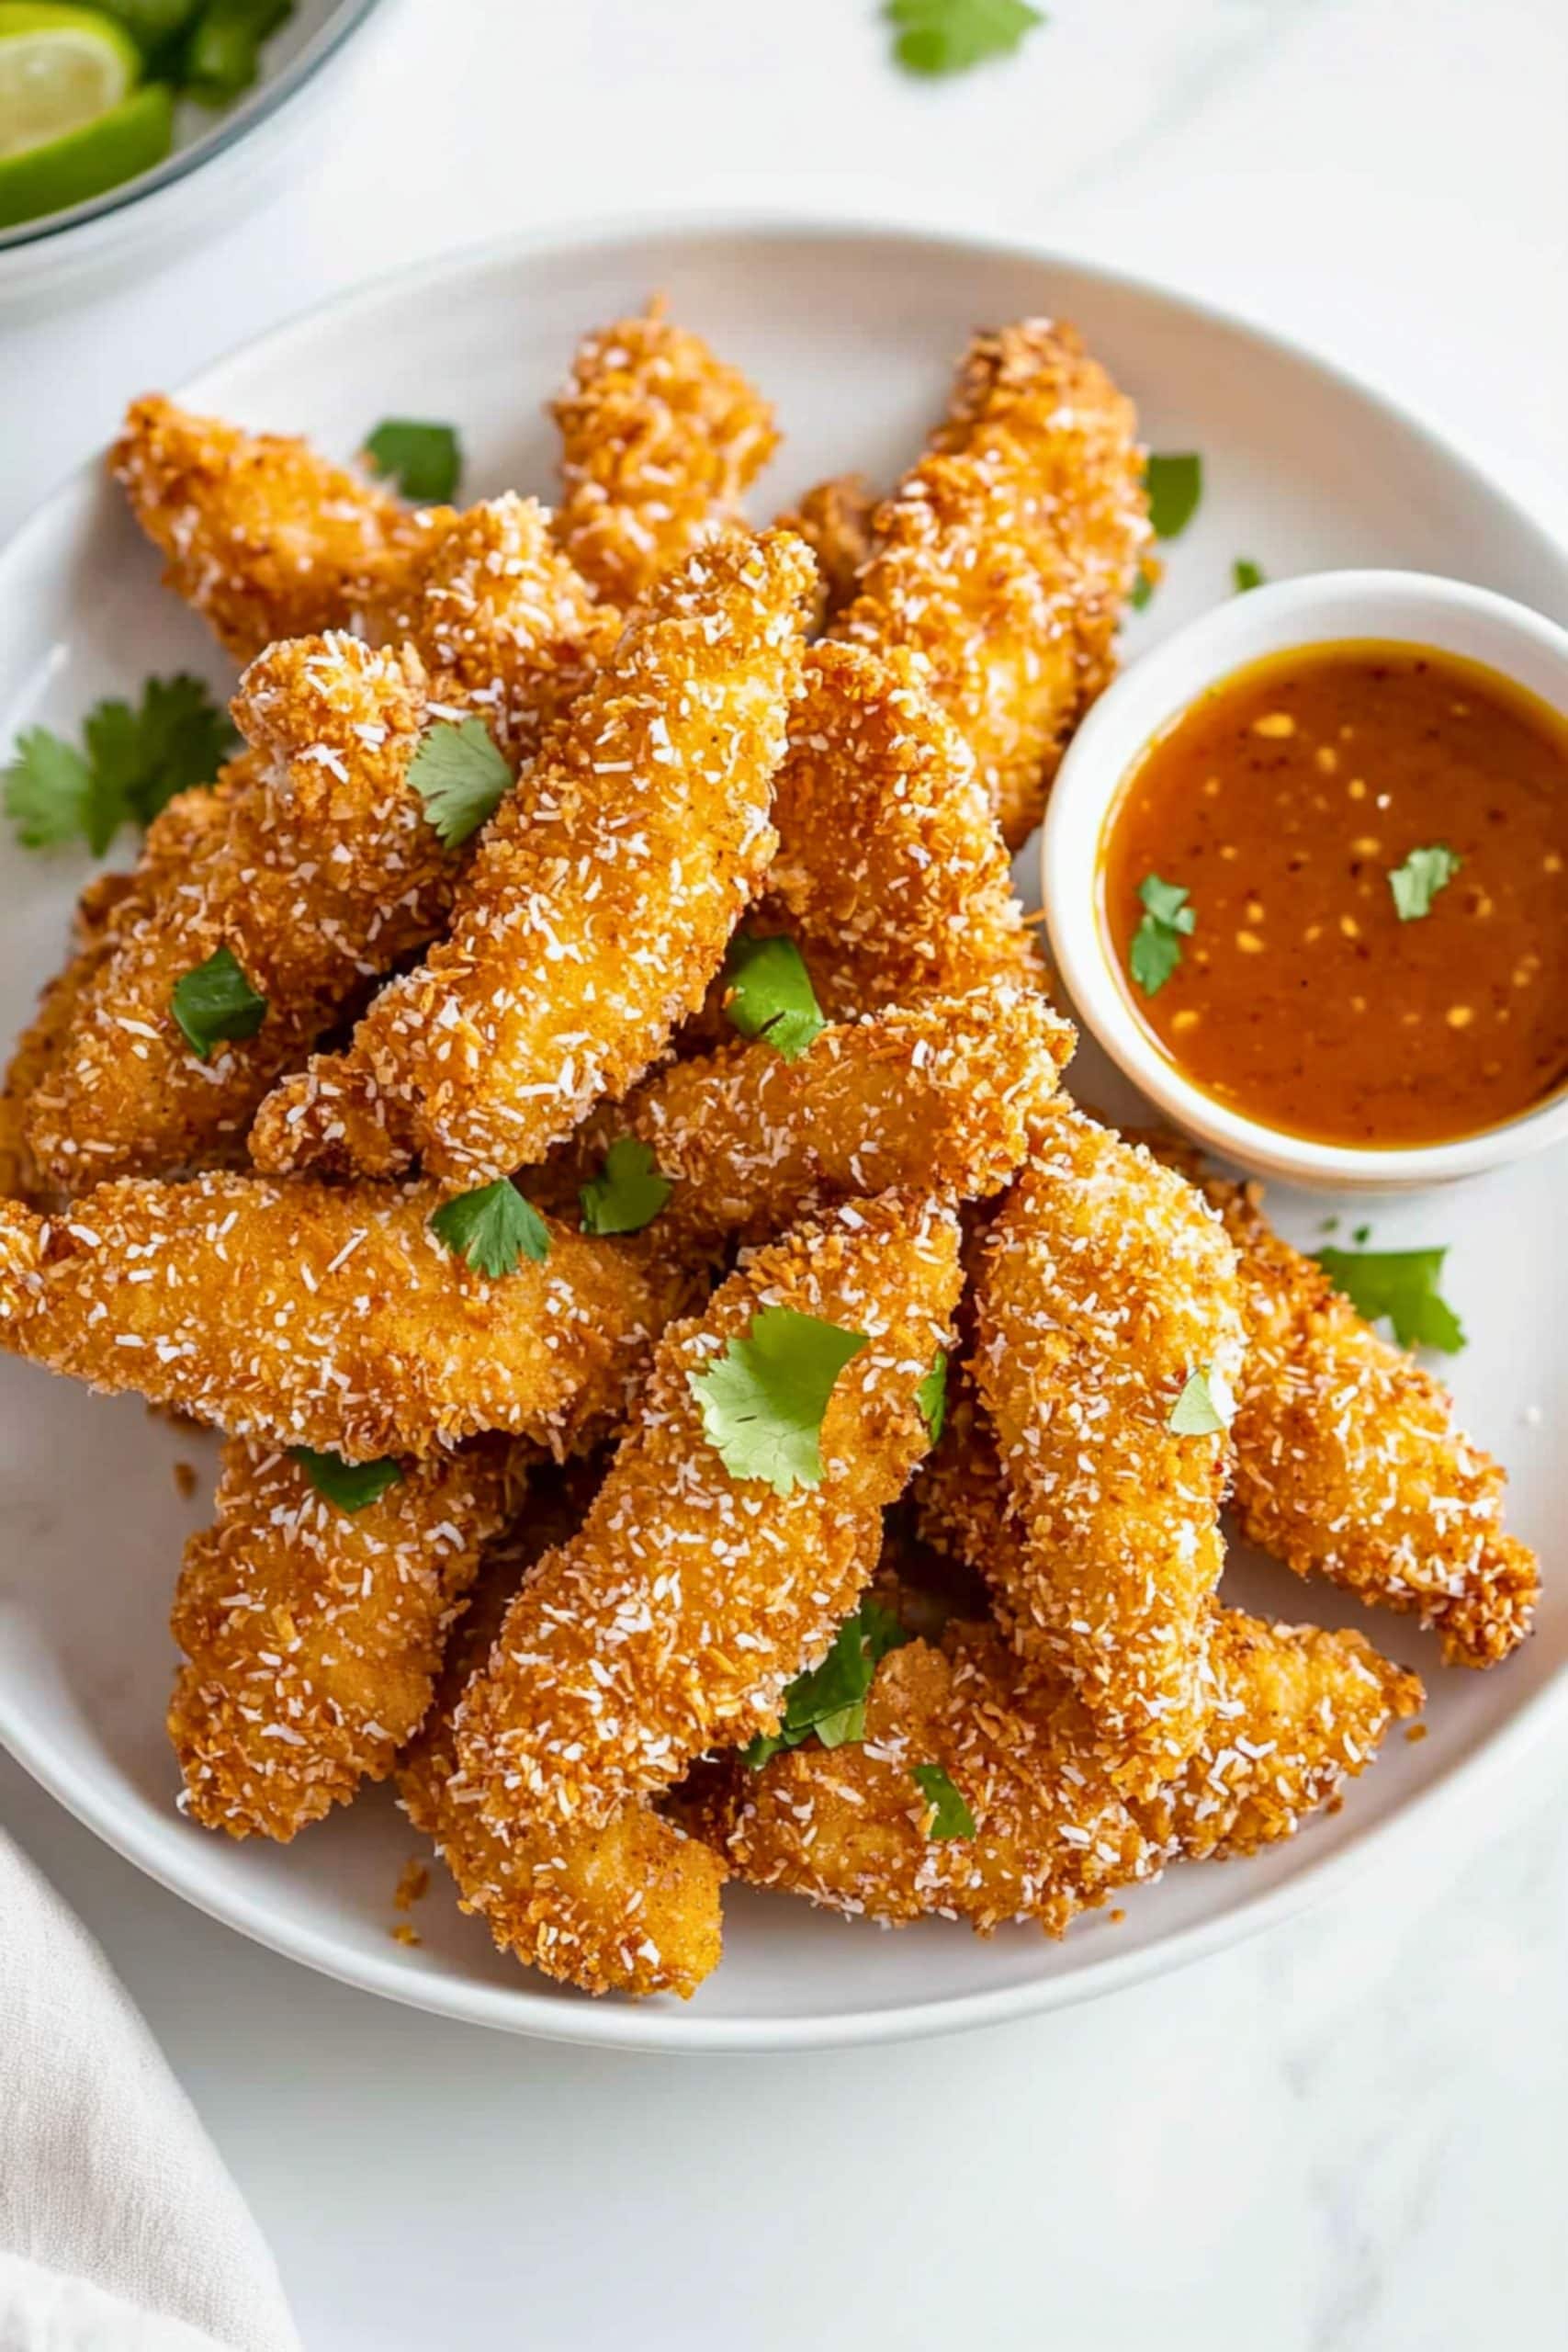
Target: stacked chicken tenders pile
[699, 1400]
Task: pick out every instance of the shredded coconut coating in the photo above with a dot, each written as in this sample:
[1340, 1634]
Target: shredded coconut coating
[1003, 560]
[314, 1634]
[326, 1317]
[261, 536]
[659, 441]
[674, 1620]
[632, 1908]
[599, 905]
[101, 904]
[835, 520]
[1293, 1712]
[1103, 1283]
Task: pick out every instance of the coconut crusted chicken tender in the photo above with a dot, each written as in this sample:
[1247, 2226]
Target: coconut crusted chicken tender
[835, 519]
[1105, 1284]
[313, 1629]
[659, 441]
[1293, 1713]
[325, 1316]
[692, 1595]
[101, 904]
[1004, 559]
[600, 903]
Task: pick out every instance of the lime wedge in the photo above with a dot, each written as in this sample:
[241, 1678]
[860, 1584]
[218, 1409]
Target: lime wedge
[60, 69]
[113, 147]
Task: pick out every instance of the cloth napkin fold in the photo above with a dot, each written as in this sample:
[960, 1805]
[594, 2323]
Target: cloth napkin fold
[120, 2229]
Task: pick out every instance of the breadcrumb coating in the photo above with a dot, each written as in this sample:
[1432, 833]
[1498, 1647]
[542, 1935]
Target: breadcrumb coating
[306, 1314]
[675, 1620]
[659, 441]
[1105, 1282]
[618, 869]
[37, 1050]
[314, 1634]
[835, 520]
[1004, 559]
[1292, 1712]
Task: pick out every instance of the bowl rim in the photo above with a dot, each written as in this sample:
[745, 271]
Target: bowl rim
[1323, 607]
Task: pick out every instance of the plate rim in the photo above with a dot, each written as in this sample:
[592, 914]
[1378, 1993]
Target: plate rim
[681, 2029]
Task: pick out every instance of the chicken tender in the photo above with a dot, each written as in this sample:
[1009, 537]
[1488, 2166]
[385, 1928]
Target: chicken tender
[1105, 1282]
[327, 1317]
[1293, 1712]
[835, 520]
[691, 1598]
[1003, 560]
[34, 1055]
[314, 1632]
[659, 441]
[619, 870]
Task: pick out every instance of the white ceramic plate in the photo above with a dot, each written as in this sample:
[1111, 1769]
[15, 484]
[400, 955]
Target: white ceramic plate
[852, 332]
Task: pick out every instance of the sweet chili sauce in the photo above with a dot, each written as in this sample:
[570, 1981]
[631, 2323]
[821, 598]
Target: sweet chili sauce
[1282, 802]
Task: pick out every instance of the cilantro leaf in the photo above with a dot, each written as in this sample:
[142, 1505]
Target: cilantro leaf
[931, 1397]
[424, 459]
[829, 1699]
[223, 56]
[1141, 592]
[763, 1394]
[950, 36]
[350, 1486]
[215, 1002]
[1245, 575]
[1167, 919]
[949, 1815]
[1418, 882]
[460, 775]
[627, 1193]
[768, 994]
[493, 1228]
[1204, 1406]
[137, 757]
[1400, 1284]
[1175, 485]
[49, 793]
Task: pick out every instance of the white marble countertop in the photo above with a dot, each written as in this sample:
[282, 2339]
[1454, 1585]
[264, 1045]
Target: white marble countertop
[1346, 2137]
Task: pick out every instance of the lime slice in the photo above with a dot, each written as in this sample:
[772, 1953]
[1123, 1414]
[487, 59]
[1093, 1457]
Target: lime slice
[60, 69]
[113, 147]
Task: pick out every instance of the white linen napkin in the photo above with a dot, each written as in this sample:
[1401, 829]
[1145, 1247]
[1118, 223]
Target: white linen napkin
[120, 2229]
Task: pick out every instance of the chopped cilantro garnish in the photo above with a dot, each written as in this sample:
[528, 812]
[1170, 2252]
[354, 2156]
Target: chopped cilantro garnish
[763, 1395]
[627, 1193]
[216, 1002]
[460, 775]
[1401, 1285]
[950, 36]
[768, 994]
[1175, 485]
[1167, 919]
[1203, 1407]
[425, 460]
[493, 1228]
[1418, 882]
[829, 1700]
[1142, 589]
[931, 1397]
[949, 1815]
[1245, 575]
[351, 1486]
[1362, 1235]
[135, 759]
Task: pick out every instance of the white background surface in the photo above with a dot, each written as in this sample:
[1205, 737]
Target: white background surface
[1347, 2138]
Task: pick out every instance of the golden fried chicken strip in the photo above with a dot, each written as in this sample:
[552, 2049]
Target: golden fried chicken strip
[1002, 561]
[835, 519]
[314, 1632]
[1104, 1283]
[632, 1907]
[659, 441]
[331, 1318]
[691, 1598]
[37, 1049]
[1293, 1712]
[261, 536]
[600, 903]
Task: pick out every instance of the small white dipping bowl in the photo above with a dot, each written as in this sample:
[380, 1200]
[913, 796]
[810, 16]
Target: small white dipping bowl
[1326, 609]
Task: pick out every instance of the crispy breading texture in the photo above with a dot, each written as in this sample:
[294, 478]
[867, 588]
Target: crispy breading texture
[103, 902]
[306, 1314]
[1103, 1283]
[619, 870]
[314, 1633]
[691, 1598]
[1295, 1711]
[835, 519]
[659, 441]
[1003, 560]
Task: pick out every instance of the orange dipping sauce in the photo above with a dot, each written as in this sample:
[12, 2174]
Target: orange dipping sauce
[1281, 802]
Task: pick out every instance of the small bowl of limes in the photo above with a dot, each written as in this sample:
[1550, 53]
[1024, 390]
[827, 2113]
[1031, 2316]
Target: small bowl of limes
[108, 106]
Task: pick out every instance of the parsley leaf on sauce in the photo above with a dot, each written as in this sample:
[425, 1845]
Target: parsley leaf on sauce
[1167, 919]
[492, 1228]
[215, 1002]
[1418, 882]
[628, 1192]
[763, 1394]
[1400, 1285]
[460, 775]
